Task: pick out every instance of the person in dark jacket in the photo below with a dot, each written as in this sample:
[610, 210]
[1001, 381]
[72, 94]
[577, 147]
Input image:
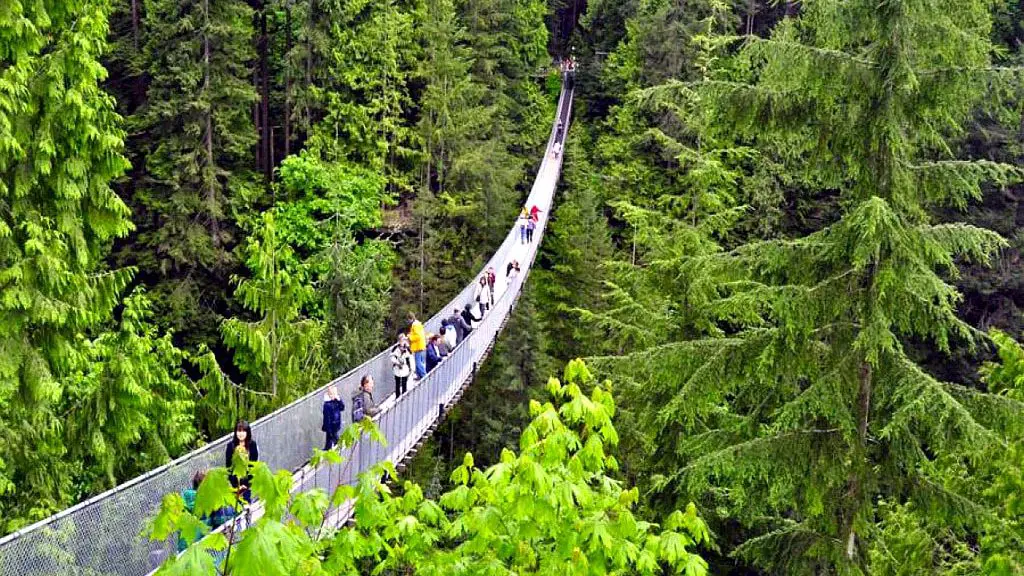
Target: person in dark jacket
[333, 407]
[433, 352]
[462, 329]
[467, 315]
[243, 444]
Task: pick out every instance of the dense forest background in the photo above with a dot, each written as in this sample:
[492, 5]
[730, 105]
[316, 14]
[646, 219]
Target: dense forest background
[790, 232]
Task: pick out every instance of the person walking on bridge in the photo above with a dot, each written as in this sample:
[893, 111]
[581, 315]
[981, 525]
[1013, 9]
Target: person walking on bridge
[401, 365]
[433, 352]
[333, 407]
[363, 404]
[418, 344]
[524, 216]
[244, 445]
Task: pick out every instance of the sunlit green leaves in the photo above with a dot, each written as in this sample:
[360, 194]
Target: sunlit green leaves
[533, 513]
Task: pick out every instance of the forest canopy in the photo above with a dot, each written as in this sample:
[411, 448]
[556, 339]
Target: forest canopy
[790, 232]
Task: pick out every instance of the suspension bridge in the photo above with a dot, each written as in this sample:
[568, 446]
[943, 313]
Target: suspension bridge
[105, 535]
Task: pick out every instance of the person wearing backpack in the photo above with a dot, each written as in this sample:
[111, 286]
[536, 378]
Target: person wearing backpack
[418, 344]
[401, 365]
[363, 404]
[332, 409]
[189, 496]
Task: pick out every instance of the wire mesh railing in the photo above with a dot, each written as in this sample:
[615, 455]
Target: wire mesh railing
[105, 534]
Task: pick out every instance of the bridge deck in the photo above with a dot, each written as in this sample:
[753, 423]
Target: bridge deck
[103, 535]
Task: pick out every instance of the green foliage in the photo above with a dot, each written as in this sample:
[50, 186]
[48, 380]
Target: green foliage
[191, 179]
[130, 407]
[60, 146]
[784, 381]
[551, 509]
[279, 352]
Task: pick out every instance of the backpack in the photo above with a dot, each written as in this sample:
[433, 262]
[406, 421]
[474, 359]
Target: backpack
[357, 408]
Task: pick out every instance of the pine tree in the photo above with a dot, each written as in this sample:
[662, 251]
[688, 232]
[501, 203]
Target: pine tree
[60, 146]
[810, 421]
[577, 249]
[196, 136]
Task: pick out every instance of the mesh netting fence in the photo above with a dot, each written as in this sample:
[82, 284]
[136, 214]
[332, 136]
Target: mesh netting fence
[105, 534]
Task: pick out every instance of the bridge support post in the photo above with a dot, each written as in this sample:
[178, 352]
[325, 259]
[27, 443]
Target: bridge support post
[440, 410]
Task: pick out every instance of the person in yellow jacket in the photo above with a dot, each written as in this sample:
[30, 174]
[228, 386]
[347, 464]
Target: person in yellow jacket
[418, 344]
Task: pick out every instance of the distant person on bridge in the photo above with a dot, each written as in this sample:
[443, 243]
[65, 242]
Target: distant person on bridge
[523, 217]
[433, 352]
[363, 404]
[491, 277]
[401, 364]
[468, 317]
[530, 227]
[511, 272]
[480, 296]
[462, 329]
[418, 344]
[442, 344]
[535, 213]
[333, 407]
[244, 445]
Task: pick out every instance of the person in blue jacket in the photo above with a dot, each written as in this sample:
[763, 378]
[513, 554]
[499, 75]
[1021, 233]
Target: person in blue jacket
[333, 407]
[433, 352]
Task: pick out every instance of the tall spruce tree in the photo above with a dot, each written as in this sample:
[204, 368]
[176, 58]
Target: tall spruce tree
[810, 419]
[194, 146]
[60, 145]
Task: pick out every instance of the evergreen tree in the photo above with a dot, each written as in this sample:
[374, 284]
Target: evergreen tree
[810, 422]
[279, 352]
[60, 146]
[195, 138]
[130, 408]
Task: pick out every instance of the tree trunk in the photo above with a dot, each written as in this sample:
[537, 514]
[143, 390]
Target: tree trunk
[211, 173]
[268, 162]
[751, 8]
[288, 80]
[859, 465]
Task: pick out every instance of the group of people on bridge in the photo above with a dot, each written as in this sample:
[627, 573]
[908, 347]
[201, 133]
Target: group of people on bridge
[415, 353]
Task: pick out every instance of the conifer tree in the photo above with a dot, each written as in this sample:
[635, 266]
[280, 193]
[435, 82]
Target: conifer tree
[280, 351]
[195, 158]
[60, 146]
[810, 420]
[130, 408]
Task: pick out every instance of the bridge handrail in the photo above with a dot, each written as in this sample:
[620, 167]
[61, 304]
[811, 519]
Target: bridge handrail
[103, 533]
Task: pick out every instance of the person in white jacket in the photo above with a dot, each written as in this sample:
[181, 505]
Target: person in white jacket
[401, 365]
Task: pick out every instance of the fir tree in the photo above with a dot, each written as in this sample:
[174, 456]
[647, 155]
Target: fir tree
[279, 352]
[60, 146]
[812, 421]
[196, 137]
